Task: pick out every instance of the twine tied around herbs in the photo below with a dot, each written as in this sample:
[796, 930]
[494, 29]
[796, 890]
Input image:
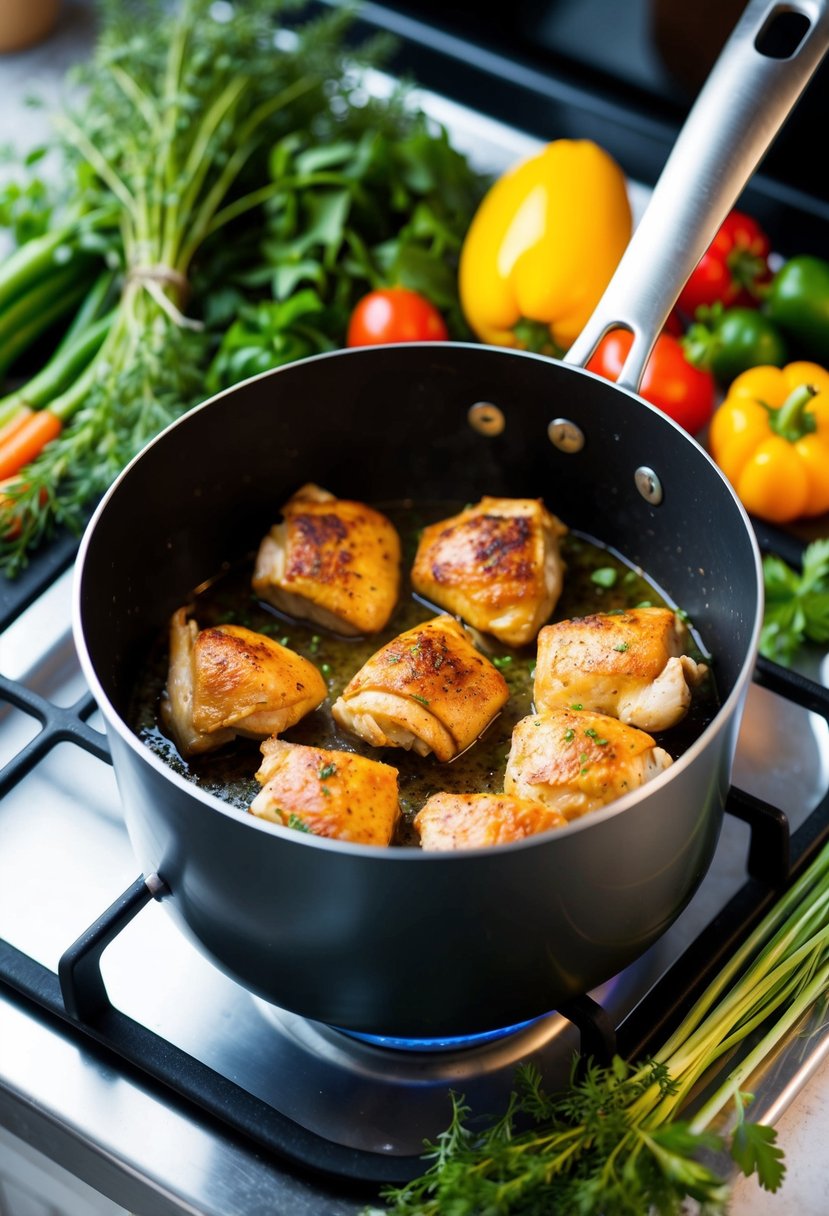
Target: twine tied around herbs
[151, 278]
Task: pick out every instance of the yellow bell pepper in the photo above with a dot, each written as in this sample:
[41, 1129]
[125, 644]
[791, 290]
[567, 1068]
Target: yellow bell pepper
[771, 439]
[543, 246]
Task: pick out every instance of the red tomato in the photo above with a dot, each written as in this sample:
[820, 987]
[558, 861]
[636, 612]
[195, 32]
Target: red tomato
[681, 391]
[731, 269]
[394, 314]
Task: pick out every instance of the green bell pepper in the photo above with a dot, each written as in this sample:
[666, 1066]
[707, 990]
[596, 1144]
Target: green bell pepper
[798, 302]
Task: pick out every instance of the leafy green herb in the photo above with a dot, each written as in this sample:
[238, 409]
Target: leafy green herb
[577, 705]
[617, 1141]
[327, 770]
[605, 576]
[797, 605]
[569, 735]
[503, 660]
[416, 697]
[299, 825]
[622, 647]
[393, 658]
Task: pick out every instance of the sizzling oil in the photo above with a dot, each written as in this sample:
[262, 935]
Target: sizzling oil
[596, 580]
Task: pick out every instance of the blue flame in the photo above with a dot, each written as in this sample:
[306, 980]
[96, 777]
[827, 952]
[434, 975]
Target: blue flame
[456, 1042]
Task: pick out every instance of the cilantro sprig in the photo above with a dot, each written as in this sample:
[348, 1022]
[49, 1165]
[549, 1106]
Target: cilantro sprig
[797, 604]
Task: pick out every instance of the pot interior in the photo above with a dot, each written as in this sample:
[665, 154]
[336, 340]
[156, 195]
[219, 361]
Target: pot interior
[385, 424]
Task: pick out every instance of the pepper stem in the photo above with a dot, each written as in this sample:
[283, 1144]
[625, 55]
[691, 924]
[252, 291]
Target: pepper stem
[792, 420]
[535, 336]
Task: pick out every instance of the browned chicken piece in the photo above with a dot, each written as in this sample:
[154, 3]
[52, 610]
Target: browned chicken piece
[497, 565]
[327, 793]
[575, 761]
[473, 821]
[628, 664]
[330, 561]
[428, 690]
[229, 681]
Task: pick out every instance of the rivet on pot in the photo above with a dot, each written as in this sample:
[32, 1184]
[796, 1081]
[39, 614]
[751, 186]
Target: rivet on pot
[486, 418]
[648, 485]
[565, 435]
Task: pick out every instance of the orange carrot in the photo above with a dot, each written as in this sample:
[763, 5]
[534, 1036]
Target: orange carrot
[14, 424]
[28, 441]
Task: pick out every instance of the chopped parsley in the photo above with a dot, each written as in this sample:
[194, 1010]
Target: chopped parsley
[327, 770]
[622, 647]
[569, 735]
[605, 576]
[299, 825]
[593, 734]
[416, 697]
[502, 660]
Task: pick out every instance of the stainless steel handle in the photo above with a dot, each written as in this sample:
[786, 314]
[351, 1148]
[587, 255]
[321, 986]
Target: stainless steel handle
[741, 107]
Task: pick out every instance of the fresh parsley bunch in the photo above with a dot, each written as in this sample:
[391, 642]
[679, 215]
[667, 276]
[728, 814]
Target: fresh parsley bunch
[797, 604]
[382, 200]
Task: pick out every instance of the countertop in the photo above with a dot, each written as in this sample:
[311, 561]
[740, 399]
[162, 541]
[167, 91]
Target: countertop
[802, 1127]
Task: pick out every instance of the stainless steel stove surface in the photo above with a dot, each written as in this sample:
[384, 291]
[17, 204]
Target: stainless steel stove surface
[348, 1113]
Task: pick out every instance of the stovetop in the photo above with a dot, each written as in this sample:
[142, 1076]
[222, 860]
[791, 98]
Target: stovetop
[187, 1095]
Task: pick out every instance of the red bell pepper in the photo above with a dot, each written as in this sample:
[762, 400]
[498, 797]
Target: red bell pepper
[733, 268]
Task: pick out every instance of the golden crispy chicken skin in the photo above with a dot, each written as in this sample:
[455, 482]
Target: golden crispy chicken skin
[331, 561]
[327, 793]
[428, 690]
[628, 664]
[497, 565]
[229, 680]
[472, 821]
[575, 761]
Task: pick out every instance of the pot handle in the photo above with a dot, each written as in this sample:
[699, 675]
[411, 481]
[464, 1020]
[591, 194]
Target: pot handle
[741, 107]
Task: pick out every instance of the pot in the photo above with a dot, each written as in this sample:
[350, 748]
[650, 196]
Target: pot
[398, 941]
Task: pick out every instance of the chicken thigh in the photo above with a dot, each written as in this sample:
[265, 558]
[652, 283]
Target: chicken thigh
[471, 821]
[497, 565]
[327, 793]
[229, 681]
[628, 664]
[575, 761]
[331, 561]
[428, 690]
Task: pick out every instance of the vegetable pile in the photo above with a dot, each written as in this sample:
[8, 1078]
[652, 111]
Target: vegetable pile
[227, 196]
[629, 1138]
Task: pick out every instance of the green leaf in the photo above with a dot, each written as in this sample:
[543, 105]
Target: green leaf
[753, 1148]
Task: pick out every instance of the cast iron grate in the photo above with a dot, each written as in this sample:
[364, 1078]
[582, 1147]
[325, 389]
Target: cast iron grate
[77, 998]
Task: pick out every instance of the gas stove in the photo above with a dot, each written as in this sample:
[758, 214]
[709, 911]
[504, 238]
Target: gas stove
[126, 1057]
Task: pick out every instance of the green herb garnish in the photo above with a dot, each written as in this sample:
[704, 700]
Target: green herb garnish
[797, 605]
[605, 576]
[327, 770]
[416, 697]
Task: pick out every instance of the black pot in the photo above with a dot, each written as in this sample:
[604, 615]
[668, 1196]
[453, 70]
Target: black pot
[398, 941]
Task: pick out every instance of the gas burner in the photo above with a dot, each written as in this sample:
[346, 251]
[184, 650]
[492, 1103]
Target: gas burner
[386, 1094]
